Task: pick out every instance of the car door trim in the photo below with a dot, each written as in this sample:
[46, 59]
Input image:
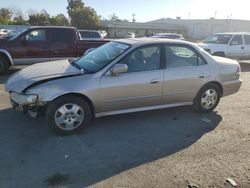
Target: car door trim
[132, 98]
[142, 109]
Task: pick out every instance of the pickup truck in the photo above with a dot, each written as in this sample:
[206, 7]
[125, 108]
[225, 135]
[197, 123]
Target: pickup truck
[42, 44]
[235, 45]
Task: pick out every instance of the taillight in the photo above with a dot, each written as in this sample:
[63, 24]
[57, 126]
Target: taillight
[238, 71]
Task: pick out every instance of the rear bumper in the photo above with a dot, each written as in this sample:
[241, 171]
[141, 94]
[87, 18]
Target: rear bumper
[231, 87]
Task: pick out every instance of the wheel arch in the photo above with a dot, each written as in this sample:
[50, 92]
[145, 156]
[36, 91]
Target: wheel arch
[7, 56]
[215, 83]
[83, 97]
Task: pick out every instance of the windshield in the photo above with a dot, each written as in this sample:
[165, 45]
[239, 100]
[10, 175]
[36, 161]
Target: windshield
[17, 35]
[102, 56]
[218, 39]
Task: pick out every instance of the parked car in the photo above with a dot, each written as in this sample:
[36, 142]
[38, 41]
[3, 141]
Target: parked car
[130, 35]
[235, 45]
[9, 34]
[90, 35]
[169, 36]
[3, 32]
[41, 44]
[127, 75]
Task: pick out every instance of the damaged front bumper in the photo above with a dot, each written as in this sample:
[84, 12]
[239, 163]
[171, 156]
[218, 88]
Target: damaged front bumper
[26, 104]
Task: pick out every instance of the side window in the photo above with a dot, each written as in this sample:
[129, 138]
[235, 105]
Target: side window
[182, 56]
[247, 39]
[36, 35]
[237, 40]
[143, 59]
[89, 34]
[62, 35]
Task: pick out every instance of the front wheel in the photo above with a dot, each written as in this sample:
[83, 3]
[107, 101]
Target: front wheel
[207, 98]
[67, 115]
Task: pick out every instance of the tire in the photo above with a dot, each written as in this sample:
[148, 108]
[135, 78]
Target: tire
[3, 65]
[220, 54]
[207, 98]
[67, 115]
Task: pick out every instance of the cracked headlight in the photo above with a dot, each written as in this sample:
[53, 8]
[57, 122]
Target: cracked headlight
[23, 99]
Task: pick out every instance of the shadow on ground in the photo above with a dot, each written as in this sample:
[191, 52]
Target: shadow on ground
[33, 156]
[245, 66]
[4, 78]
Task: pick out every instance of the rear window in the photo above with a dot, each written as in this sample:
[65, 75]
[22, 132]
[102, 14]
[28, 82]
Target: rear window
[89, 34]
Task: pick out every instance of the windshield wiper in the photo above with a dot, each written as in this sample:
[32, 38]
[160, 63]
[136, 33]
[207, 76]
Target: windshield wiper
[72, 62]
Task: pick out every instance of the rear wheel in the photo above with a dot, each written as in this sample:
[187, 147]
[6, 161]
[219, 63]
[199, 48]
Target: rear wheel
[67, 115]
[207, 98]
[3, 65]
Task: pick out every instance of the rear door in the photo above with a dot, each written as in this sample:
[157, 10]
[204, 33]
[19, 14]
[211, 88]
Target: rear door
[186, 72]
[62, 43]
[236, 48]
[31, 47]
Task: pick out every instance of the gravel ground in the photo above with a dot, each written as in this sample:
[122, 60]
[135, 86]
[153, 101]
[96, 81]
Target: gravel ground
[163, 148]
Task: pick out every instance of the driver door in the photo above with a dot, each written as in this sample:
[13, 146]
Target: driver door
[31, 47]
[236, 48]
[140, 86]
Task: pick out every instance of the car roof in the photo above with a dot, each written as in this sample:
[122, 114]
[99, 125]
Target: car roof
[89, 30]
[55, 27]
[142, 41]
[233, 33]
[168, 34]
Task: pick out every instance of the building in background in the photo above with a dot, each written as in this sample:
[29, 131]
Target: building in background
[194, 29]
[200, 29]
[121, 29]
[191, 29]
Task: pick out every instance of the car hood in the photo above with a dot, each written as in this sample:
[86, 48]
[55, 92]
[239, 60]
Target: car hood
[40, 72]
[209, 45]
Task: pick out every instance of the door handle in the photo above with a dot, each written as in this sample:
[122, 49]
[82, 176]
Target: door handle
[201, 76]
[154, 81]
[44, 47]
[242, 47]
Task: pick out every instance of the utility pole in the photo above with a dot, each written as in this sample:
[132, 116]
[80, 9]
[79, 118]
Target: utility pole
[133, 15]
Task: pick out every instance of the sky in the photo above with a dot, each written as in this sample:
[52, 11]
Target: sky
[145, 10]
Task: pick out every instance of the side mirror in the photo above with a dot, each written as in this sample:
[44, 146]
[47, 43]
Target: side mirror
[119, 68]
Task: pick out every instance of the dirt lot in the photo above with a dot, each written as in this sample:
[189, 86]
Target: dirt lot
[162, 148]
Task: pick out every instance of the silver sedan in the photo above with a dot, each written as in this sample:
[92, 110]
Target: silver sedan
[123, 76]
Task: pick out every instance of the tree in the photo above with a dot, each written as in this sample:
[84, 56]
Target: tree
[59, 20]
[74, 5]
[42, 18]
[18, 16]
[115, 18]
[82, 17]
[18, 20]
[5, 15]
